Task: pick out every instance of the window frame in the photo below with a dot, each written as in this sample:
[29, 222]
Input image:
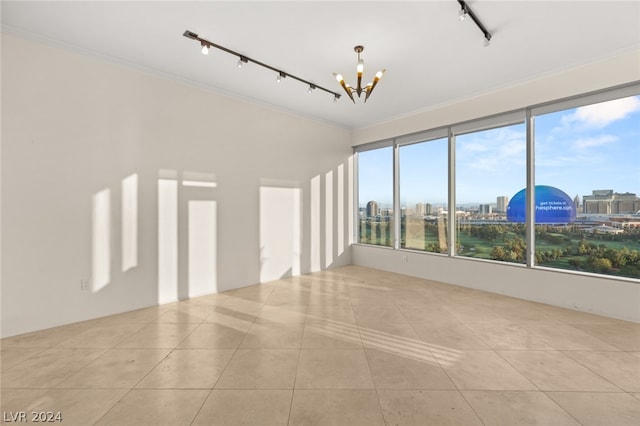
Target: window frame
[427, 136]
[524, 115]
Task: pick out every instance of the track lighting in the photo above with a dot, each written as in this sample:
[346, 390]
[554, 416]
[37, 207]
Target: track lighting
[465, 11]
[242, 59]
[359, 71]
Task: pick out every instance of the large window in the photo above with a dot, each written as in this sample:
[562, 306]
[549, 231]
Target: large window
[587, 185]
[375, 197]
[559, 189]
[423, 196]
[490, 170]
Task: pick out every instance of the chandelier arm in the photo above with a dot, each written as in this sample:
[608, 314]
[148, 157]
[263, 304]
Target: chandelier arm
[346, 89]
[369, 89]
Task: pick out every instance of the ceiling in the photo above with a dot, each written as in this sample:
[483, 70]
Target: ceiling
[431, 58]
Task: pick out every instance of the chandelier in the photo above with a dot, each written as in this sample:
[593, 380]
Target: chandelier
[359, 89]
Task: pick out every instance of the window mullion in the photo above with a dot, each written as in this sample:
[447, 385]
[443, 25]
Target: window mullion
[451, 208]
[396, 196]
[355, 218]
[531, 191]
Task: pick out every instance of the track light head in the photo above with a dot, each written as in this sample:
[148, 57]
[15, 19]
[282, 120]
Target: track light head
[462, 15]
[205, 48]
[242, 61]
[312, 87]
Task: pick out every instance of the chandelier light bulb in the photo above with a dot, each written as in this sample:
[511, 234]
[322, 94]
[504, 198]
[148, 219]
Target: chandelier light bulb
[360, 67]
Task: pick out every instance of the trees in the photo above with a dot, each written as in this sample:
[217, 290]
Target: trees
[514, 250]
[558, 247]
[498, 253]
[599, 264]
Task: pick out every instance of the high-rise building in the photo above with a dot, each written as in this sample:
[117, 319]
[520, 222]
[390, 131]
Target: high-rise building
[484, 209]
[385, 212]
[501, 204]
[372, 209]
[420, 209]
[428, 209]
[605, 201]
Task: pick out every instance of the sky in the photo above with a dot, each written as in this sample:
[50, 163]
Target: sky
[576, 150]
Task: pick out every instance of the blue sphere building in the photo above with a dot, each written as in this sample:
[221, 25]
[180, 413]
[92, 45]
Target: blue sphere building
[553, 206]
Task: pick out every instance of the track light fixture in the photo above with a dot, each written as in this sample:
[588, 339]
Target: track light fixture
[465, 11]
[242, 59]
[359, 70]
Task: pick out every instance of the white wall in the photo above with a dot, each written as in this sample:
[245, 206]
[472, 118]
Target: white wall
[86, 147]
[601, 295]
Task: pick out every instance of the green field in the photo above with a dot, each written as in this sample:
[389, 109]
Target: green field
[562, 248]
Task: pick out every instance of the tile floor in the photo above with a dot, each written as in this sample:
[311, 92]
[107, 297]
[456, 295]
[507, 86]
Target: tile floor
[350, 346]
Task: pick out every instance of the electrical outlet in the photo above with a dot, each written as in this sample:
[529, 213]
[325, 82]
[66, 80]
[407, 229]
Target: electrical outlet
[84, 284]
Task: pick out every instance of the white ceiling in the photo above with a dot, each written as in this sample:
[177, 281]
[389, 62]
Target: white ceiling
[431, 58]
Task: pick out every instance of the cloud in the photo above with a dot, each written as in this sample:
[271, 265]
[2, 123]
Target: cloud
[592, 142]
[474, 147]
[501, 158]
[602, 114]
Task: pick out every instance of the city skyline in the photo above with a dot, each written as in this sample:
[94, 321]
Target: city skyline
[579, 150]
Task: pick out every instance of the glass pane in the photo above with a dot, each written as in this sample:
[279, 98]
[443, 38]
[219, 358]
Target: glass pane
[375, 197]
[490, 171]
[587, 186]
[423, 196]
